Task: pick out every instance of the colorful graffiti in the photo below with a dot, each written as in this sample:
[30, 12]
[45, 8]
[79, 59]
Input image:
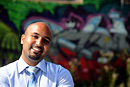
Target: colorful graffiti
[84, 38]
[84, 43]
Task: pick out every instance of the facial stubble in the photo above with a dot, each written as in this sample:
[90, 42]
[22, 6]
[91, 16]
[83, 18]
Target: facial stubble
[34, 56]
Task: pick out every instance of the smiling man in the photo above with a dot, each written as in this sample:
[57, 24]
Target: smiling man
[31, 70]
[36, 43]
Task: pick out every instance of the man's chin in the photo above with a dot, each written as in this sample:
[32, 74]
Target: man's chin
[34, 57]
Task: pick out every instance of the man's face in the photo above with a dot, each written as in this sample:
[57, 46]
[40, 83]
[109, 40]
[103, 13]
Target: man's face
[36, 42]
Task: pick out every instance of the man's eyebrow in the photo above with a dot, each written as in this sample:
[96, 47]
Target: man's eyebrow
[35, 33]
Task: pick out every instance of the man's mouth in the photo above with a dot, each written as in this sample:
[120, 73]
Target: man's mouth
[37, 50]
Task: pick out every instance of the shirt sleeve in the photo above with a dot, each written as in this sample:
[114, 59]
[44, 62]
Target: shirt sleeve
[3, 79]
[65, 79]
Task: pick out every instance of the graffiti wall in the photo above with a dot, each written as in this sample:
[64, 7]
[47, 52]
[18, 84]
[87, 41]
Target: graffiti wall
[97, 32]
[90, 40]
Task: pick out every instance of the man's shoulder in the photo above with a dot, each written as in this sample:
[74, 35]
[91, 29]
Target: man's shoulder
[60, 74]
[55, 67]
[9, 68]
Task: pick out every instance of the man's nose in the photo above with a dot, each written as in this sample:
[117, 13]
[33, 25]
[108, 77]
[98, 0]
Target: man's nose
[39, 42]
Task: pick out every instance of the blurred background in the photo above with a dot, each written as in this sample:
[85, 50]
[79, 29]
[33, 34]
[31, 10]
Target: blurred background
[91, 38]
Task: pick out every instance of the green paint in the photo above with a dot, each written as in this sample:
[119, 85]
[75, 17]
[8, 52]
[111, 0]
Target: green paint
[19, 10]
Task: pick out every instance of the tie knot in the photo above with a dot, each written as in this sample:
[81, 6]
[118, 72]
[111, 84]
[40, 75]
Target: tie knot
[32, 70]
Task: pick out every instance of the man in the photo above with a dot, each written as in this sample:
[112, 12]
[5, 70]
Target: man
[36, 43]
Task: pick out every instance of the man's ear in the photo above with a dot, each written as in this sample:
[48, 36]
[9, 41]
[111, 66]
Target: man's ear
[22, 38]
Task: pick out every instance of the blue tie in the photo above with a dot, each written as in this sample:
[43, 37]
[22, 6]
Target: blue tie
[32, 71]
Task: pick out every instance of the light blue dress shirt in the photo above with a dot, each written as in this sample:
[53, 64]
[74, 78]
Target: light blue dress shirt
[49, 75]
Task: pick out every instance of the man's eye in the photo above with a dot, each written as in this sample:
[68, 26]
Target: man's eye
[34, 36]
[46, 41]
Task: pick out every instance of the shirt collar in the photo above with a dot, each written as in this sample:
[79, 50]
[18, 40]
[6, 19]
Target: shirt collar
[42, 65]
[22, 65]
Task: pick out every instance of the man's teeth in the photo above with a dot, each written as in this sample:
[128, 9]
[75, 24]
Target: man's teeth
[37, 49]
